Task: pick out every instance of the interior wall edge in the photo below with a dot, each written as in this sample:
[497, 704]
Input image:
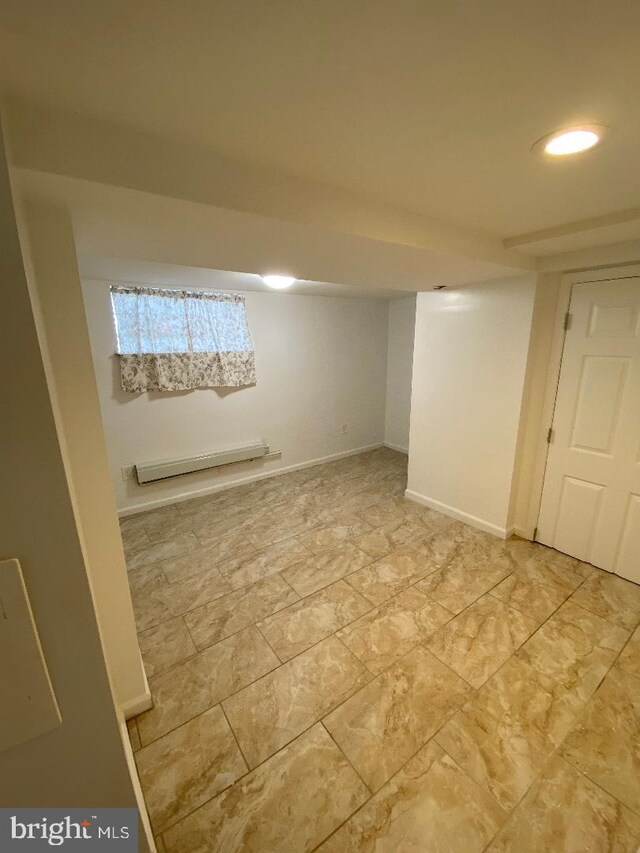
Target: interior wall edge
[460, 515]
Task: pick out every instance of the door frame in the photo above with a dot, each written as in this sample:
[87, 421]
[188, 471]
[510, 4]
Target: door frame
[556, 351]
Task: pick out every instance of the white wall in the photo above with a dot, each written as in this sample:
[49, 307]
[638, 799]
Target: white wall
[321, 364]
[82, 762]
[469, 366]
[402, 319]
[48, 246]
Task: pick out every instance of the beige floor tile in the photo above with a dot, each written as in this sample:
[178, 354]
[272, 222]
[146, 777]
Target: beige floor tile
[425, 579]
[388, 576]
[163, 550]
[200, 559]
[388, 720]
[134, 539]
[276, 526]
[612, 598]
[518, 692]
[159, 523]
[629, 659]
[327, 538]
[465, 579]
[271, 712]
[237, 610]
[565, 812]
[387, 633]
[275, 558]
[605, 744]
[165, 645]
[188, 766]
[381, 513]
[390, 537]
[306, 622]
[430, 806]
[320, 570]
[204, 680]
[503, 757]
[289, 804]
[480, 639]
[574, 648]
[151, 605]
[195, 591]
[155, 600]
[537, 589]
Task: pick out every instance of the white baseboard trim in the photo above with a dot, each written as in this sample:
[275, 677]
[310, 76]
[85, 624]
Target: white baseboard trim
[263, 475]
[474, 521]
[397, 447]
[137, 705]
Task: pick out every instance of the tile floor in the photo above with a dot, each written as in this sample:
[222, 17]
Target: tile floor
[336, 668]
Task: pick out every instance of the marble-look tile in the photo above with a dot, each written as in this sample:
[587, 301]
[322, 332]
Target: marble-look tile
[429, 806]
[188, 766]
[320, 570]
[165, 645]
[480, 639]
[390, 537]
[574, 648]
[468, 576]
[246, 570]
[537, 589]
[310, 620]
[521, 693]
[134, 737]
[327, 538]
[611, 597]
[163, 522]
[289, 804]
[277, 525]
[388, 720]
[566, 812]
[387, 633]
[629, 659]
[274, 710]
[200, 559]
[503, 757]
[230, 613]
[163, 549]
[134, 539]
[386, 577]
[381, 513]
[204, 680]
[159, 600]
[160, 846]
[605, 744]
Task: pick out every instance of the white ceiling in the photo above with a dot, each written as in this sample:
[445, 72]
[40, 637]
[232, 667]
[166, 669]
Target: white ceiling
[172, 275]
[431, 107]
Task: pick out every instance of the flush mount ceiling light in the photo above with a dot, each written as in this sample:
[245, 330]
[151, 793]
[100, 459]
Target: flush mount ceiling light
[278, 282]
[573, 140]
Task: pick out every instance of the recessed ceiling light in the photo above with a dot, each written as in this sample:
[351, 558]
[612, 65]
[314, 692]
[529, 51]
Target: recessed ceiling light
[560, 143]
[278, 282]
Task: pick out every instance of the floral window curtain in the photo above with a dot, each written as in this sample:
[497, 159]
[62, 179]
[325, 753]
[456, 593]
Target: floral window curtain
[175, 340]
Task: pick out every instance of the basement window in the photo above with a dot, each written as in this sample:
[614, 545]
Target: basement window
[176, 340]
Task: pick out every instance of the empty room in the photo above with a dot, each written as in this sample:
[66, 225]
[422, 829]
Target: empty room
[320, 522]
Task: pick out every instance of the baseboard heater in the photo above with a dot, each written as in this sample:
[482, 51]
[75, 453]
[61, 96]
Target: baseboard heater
[153, 471]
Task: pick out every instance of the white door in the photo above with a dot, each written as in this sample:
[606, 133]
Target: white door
[591, 497]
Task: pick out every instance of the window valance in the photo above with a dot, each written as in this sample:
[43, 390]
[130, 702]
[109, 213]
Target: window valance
[174, 340]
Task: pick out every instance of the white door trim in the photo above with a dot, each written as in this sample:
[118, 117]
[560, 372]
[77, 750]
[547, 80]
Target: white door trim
[553, 373]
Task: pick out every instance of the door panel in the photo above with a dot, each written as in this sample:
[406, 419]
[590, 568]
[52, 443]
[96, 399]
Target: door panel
[590, 502]
[599, 396]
